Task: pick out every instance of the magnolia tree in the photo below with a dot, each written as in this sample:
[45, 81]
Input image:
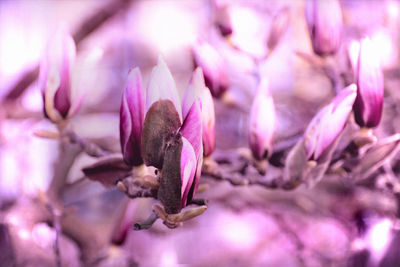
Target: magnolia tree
[168, 149]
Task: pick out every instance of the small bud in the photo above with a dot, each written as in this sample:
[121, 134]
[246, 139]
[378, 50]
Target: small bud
[325, 22]
[198, 90]
[177, 174]
[329, 122]
[223, 21]
[262, 122]
[369, 78]
[55, 76]
[162, 86]
[131, 119]
[214, 67]
[279, 25]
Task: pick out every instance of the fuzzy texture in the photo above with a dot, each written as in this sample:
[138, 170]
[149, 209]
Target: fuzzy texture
[160, 123]
[131, 119]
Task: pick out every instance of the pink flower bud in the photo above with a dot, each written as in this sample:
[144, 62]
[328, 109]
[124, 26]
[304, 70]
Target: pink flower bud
[262, 122]
[198, 90]
[329, 122]
[369, 77]
[131, 119]
[162, 86]
[279, 25]
[213, 65]
[55, 76]
[325, 22]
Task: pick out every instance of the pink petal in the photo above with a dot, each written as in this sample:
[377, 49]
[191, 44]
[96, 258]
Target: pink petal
[162, 86]
[193, 92]
[131, 118]
[208, 119]
[188, 169]
[192, 128]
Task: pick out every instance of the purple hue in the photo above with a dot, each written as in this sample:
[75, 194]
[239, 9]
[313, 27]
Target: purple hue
[188, 169]
[162, 86]
[329, 122]
[131, 119]
[55, 76]
[369, 77]
[262, 122]
[325, 23]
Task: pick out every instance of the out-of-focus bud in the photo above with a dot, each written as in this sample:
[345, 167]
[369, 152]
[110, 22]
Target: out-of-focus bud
[369, 78]
[325, 22]
[279, 25]
[198, 90]
[162, 86]
[262, 122]
[329, 122]
[131, 119]
[214, 68]
[223, 20]
[55, 76]
[177, 174]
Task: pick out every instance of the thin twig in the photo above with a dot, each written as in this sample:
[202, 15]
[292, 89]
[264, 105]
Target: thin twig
[88, 147]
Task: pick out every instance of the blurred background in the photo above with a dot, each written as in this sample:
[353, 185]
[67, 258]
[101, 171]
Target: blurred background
[333, 224]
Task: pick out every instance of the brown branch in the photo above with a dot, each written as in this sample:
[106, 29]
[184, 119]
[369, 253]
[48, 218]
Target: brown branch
[89, 25]
[88, 147]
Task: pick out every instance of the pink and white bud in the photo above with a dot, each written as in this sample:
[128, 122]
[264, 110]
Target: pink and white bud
[214, 67]
[262, 122]
[279, 25]
[369, 78]
[198, 90]
[55, 76]
[192, 131]
[325, 23]
[329, 122]
[162, 86]
[131, 119]
[188, 169]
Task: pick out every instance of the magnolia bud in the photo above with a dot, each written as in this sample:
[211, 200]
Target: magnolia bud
[262, 122]
[131, 119]
[369, 77]
[324, 20]
[279, 25]
[214, 68]
[55, 76]
[177, 174]
[329, 122]
[198, 90]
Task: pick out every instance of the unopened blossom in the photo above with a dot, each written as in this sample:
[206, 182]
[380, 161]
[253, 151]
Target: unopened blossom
[329, 122]
[198, 90]
[279, 25]
[214, 67]
[55, 76]
[369, 78]
[262, 122]
[325, 23]
[172, 142]
[131, 119]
